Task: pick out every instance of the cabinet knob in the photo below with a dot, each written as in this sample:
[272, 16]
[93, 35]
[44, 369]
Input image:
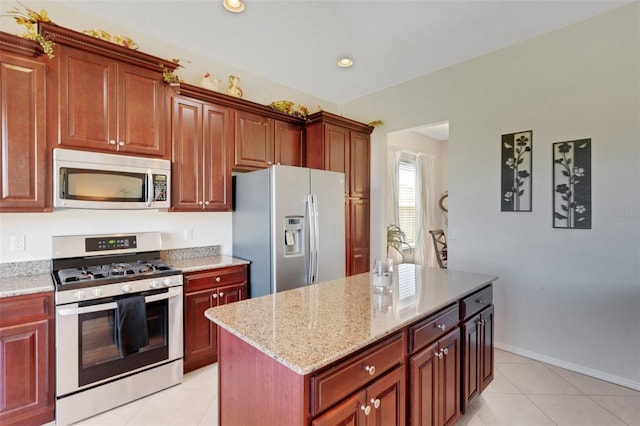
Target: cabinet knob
[370, 369]
[206, 203]
[221, 294]
[366, 409]
[214, 295]
[481, 301]
[375, 402]
[111, 142]
[217, 279]
[121, 143]
[441, 326]
[200, 203]
[439, 355]
[445, 351]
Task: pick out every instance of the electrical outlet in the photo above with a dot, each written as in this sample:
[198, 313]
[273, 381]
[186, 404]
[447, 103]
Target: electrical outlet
[17, 242]
[188, 234]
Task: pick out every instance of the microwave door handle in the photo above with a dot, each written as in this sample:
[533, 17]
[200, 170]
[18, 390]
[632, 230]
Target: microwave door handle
[149, 188]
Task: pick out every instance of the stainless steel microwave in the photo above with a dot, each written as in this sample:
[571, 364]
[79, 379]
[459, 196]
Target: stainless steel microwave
[92, 180]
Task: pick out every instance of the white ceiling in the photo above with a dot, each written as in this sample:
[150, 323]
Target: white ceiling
[297, 42]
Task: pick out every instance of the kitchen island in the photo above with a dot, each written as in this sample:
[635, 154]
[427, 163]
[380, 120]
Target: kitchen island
[334, 351]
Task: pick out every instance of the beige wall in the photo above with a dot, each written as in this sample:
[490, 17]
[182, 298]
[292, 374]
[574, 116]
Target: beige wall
[569, 297]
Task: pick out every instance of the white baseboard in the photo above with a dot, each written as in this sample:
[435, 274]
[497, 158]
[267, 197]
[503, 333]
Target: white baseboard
[570, 366]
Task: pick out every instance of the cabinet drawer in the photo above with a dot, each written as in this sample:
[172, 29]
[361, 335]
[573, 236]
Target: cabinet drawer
[476, 302]
[25, 308]
[212, 278]
[431, 328]
[331, 386]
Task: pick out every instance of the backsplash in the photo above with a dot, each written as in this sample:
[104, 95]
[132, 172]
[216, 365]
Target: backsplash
[189, 253]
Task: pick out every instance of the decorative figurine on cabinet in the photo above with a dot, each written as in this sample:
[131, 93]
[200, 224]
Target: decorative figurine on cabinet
[234, 86]
[210, 84]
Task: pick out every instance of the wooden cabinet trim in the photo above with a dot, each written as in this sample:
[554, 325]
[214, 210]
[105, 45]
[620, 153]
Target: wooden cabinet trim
[433, 327]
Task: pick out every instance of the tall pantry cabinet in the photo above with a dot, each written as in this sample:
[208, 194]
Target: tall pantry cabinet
[342, 145]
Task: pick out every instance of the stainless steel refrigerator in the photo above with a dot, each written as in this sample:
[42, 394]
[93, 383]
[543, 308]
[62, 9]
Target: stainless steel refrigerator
[289, 223]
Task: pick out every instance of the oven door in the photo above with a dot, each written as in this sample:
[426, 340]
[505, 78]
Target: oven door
[86, 350]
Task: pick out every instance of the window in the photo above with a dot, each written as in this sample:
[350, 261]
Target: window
[407, 197]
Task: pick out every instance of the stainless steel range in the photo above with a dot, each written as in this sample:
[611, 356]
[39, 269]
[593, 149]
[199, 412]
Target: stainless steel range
[118, 322]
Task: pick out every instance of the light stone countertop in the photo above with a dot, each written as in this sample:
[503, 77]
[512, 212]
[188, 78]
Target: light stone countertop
[206, 262]
[28, 284]
[308, 328]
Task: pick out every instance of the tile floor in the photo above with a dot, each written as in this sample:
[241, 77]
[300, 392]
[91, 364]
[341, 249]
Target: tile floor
[524, 392]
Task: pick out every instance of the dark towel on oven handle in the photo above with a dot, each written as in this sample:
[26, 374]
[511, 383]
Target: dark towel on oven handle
[131, 325]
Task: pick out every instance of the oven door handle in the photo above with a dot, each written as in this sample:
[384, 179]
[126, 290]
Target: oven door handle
[113, 305]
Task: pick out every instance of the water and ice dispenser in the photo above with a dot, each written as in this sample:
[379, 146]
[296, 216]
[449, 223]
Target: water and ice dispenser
[293, 236]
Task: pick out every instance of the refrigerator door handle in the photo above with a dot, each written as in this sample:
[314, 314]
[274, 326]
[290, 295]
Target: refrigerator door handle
[312, 241]
[316, 238]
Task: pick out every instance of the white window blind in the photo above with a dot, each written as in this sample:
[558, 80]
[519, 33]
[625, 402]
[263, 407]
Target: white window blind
[407, 197]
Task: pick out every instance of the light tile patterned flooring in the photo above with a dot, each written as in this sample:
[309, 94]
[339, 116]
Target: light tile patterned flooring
[524, 392]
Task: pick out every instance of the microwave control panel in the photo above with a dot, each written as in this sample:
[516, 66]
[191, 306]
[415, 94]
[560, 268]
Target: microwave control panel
[159, 187]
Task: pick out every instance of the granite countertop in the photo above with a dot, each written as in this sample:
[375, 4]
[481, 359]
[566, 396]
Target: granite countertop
[206, 262]
[25, 284]
[310, 327]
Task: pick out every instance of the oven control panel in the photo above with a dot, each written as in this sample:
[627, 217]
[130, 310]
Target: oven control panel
[110, 243]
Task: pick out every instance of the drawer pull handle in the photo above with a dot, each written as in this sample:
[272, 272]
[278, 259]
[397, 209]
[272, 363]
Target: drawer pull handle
[370, 369]
[445, 351]
[375, 402]
[481, 301]
[366, 409]
[439, 355]
[217, 279]
[441, 326]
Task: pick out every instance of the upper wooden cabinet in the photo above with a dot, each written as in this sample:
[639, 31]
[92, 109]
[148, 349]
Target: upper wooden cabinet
[202, 143]
[104, 97]
[22, 140]
[262, 141]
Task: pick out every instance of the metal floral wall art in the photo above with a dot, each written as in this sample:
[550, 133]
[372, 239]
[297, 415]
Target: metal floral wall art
[516, 172]
[572, 184]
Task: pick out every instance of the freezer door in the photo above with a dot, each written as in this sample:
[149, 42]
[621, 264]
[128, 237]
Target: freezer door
[328, 188]
[289, 251]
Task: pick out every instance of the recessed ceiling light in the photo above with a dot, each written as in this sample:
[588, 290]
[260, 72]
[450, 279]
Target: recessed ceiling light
[345, 62]
[235, 6]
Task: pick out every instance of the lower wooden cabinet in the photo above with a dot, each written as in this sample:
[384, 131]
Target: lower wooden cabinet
[478, 354]
[435, 382]
[204, 290]
[380, 403]
[27, 359]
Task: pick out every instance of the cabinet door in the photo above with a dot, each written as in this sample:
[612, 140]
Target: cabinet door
[423, 385]
[359, 165]
[288, 144]
[449, 379]
[348, 413]
[386, 396]
[187, 167]
[336, 151]
[486, 350]
[217, 150]
[254, 141]
[24, 373]
[471, 359]
[86, 100]
[358, 241]
[231, 293]
[200, 346]
[141, 112]
[22, 140]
